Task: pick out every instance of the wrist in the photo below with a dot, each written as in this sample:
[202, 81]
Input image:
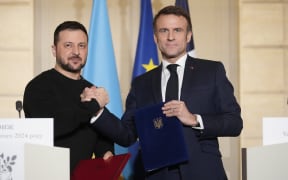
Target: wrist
[195, 121]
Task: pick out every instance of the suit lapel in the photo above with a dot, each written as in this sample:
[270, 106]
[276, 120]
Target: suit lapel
[156, 84]
[188, 76]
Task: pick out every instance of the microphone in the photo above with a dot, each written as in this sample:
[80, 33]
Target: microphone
[19, 107]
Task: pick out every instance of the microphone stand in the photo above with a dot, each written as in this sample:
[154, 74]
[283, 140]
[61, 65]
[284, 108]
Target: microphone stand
[19, 107]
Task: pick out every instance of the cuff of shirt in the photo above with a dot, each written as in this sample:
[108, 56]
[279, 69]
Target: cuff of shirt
[200, 121]
[94, 118]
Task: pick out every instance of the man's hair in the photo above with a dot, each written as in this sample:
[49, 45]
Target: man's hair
[174, 10]
[70, 25]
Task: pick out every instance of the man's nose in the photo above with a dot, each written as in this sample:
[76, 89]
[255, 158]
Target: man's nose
[76, 50]
[171, 36]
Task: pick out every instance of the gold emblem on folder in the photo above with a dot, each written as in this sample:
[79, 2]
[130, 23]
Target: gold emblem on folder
[158, 123]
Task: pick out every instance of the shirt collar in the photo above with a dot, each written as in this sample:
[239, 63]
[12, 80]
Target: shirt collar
[181, 62]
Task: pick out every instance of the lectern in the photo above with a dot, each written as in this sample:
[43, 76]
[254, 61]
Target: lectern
[269, 161]
[27, 151]
[265, 162]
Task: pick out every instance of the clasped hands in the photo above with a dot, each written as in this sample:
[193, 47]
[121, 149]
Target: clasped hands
[102, 97]
[97, 93]
[180, 110]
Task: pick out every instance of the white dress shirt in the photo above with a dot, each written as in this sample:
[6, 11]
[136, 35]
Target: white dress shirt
[180, 71]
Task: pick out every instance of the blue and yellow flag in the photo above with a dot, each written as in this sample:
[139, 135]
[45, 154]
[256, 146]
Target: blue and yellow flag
[146, 53]
[190, 47]
[101, 68]
[145, 60]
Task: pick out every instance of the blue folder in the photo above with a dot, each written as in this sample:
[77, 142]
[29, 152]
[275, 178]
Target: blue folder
[161, 138]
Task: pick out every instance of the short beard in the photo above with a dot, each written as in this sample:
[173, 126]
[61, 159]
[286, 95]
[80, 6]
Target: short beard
[68, 68]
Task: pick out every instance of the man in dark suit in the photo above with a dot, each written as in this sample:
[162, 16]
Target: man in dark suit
[205, 105]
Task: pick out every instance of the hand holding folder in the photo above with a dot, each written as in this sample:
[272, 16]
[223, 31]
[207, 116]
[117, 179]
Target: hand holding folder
[99, 168]
[161, 138]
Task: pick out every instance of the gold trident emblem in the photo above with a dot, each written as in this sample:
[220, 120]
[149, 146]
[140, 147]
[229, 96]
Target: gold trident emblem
[158, 123]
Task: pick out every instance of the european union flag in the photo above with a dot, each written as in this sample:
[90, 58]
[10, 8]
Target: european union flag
[146, 53]
[185, 5]
[145, 60]
[100, 68]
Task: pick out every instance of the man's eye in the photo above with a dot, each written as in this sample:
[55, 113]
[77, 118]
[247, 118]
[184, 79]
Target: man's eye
[68, 45]
[163, 30]
[178, 30]
[82, 46]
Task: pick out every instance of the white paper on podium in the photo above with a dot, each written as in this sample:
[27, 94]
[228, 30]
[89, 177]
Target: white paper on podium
[30, 130]
[275, 130]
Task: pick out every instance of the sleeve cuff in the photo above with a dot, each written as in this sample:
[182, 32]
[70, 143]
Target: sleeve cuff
[200, 122]
[94, 118]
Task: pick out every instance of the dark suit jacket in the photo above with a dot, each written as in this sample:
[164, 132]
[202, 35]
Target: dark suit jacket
[206, 91]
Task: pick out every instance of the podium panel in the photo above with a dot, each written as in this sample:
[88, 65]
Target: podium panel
[265, 163]
[27, 151]
[33, 162]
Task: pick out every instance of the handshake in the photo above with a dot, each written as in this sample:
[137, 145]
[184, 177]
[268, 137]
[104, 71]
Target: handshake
[97, 93]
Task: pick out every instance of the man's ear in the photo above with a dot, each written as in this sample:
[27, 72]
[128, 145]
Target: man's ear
[155, 38]
[53, 48]
[189, 36]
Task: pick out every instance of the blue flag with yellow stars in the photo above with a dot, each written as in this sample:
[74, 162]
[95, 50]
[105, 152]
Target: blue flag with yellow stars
[146, 53]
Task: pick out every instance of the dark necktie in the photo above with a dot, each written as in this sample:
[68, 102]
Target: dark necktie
[172, 84]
